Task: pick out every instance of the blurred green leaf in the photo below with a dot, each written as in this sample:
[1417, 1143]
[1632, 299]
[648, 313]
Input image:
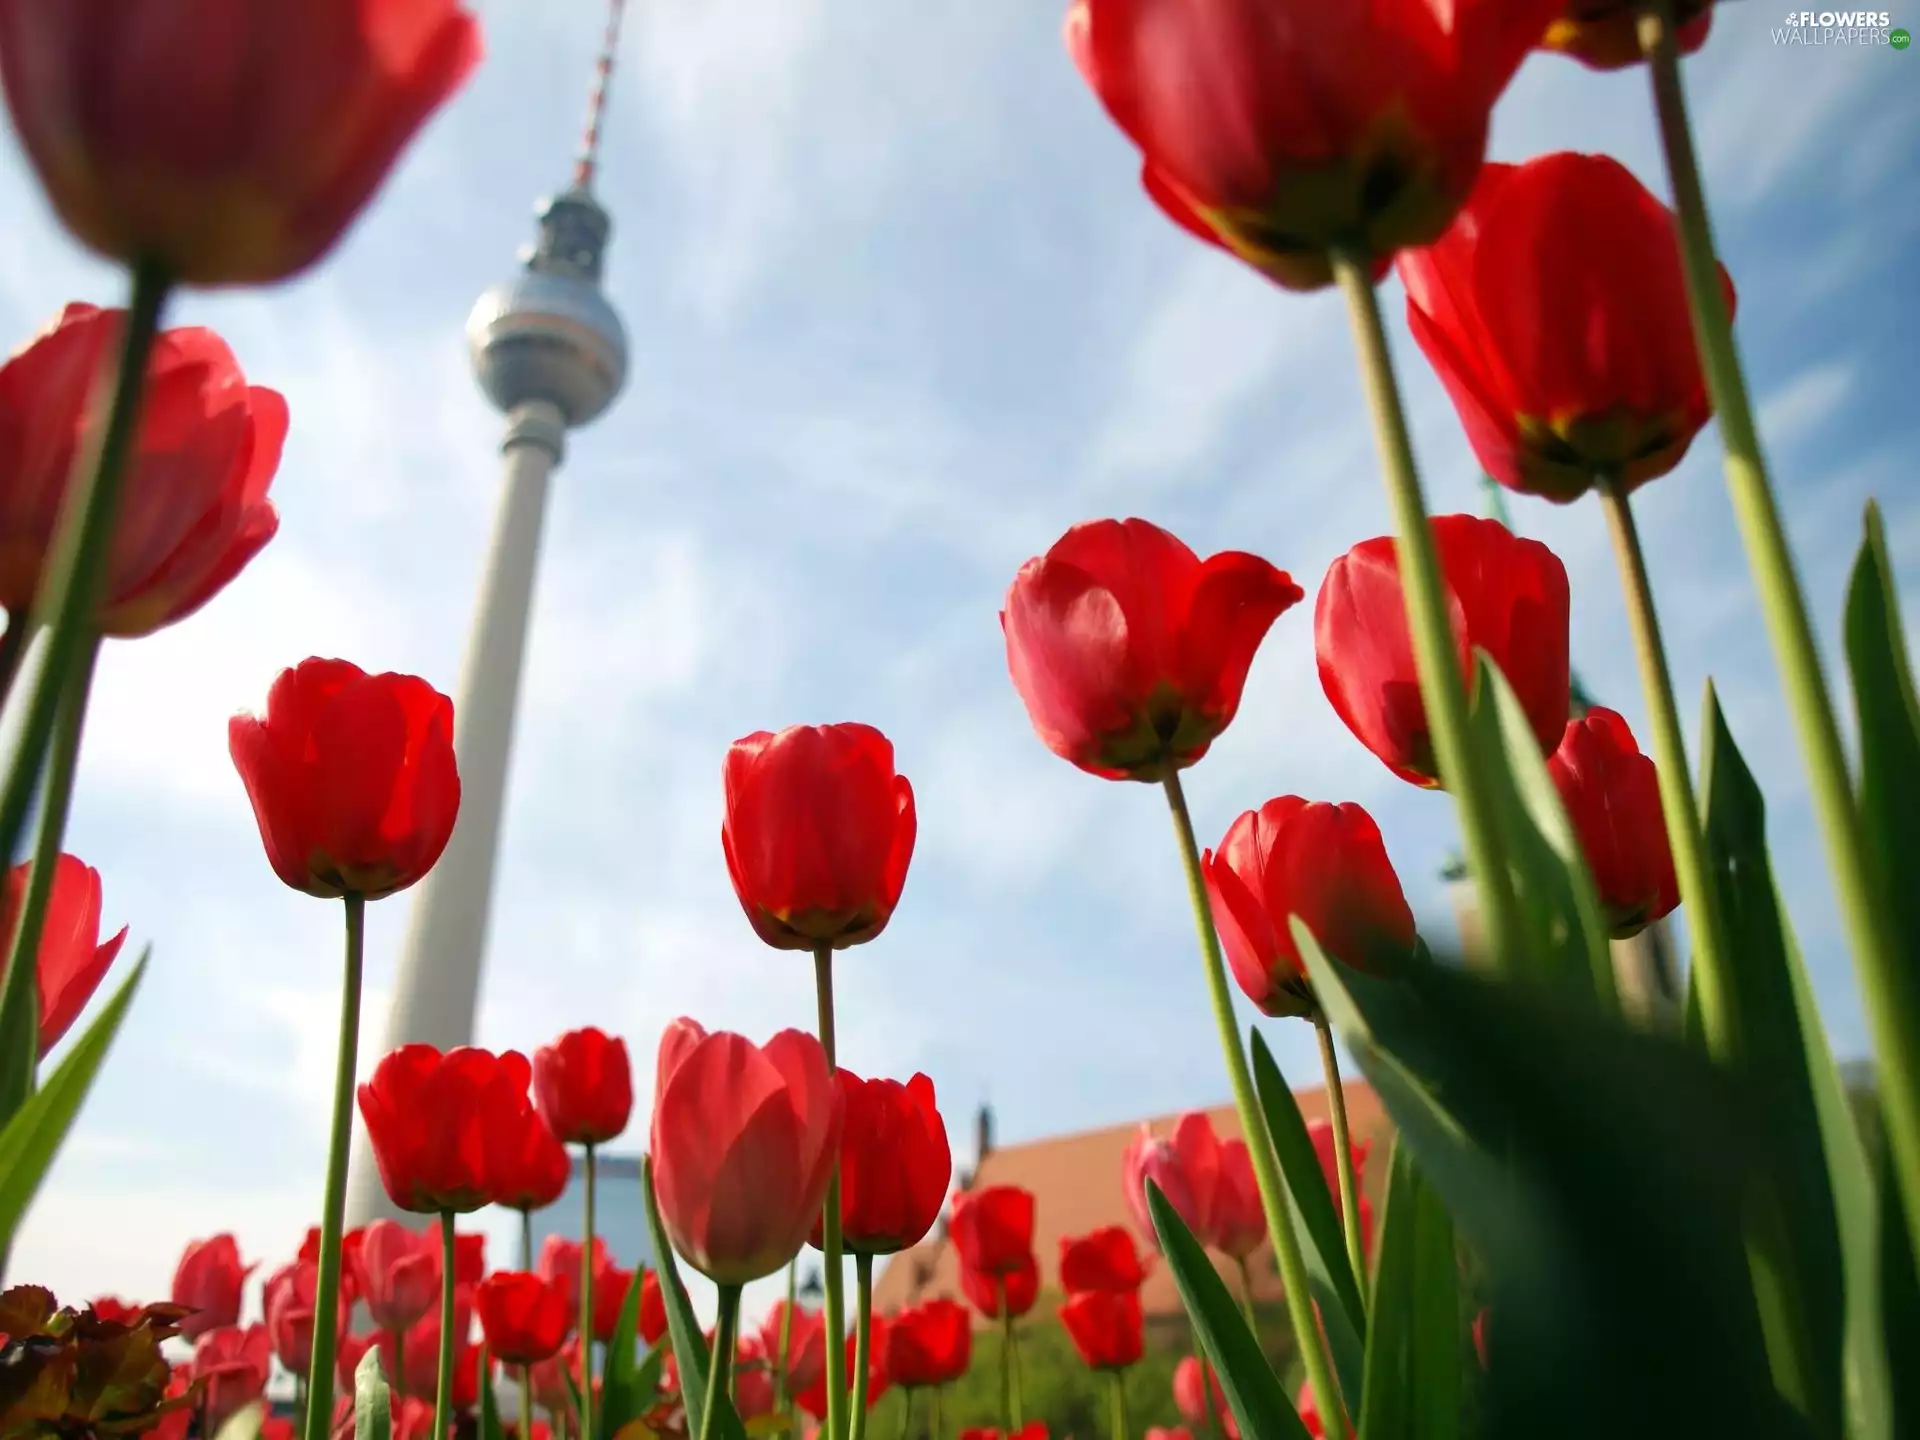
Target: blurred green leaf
[1252, 1389]
[1413, 1350]
[628, 1384]
[33, 1136]
[1793, 1228]
[244, 1423]
[689, 1342]
[372, 1400]
[490, 1428]
[1564, 929]
[1322, 1242]
[1600, 1172]
[1899, 1296]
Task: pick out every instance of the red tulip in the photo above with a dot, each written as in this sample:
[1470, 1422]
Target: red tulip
[437, 1123]
[1191, 1398]
[1282, 129]
[744, 1139]
[234, 1363]
[194, 509]
[806, 1347]
[1168, 1432]
[1309, 1413]
[894, 1164]
[929, 1344]
[1104, 1259]
[610, 1287]
[524, 1319]
[346, 1361]
[818, 834]
[1604, 34]
[1612, 795]
[276, 1427]
[584, 1086]
[1129, 651]
[813, 1399]
[1239, 1220]
[72, 962]
[1105, 1326]
[352, 778]
[1324, 863]
[210, 1278]
[551, 1391]
[752, 1380]
[1556, 314]
[534, 1168]
[1032, 1430]
[1011, 1292]
[230, 147]
[1326, 1149]
[288, 1301]
[115, 1311]
[1480, 1337]
[1504, 595]
[397, 1271]
[653, 1308]
[559, 1266]
[1185, 1167]
[416, 1367]
[992, 1228]
[411, 1418]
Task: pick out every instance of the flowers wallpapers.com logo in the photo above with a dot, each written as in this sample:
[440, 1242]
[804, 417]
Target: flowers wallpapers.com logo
[1841, 27]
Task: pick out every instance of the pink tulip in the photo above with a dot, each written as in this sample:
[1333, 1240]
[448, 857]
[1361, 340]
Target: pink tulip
[1186, 1167]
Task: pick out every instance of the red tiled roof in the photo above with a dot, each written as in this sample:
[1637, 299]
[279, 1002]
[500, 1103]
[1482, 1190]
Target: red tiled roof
[1077, 1187]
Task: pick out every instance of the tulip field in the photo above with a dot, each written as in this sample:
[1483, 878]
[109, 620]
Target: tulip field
[1597, 1222]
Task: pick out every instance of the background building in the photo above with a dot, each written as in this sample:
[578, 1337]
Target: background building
[619, 1218]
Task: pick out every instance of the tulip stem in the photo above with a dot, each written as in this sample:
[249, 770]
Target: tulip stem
[13, 648]
[1009, 1362]
[586, 1307]
[326, 1290]
[526, 1402]
[1887, 982]
[1343, 1153]
[443, 1382]
[1246, 1295]
[399, 1378]
[1443, 690]
[939, 1412]
[1117, 1402]
[906, 1414]
[720, 1362]
[526, 1239]
[1713, 982]
[1214, 1427]
[1266, 1169]
[830, 1217]
[862, 1342]
[71, 588]
[62, 761]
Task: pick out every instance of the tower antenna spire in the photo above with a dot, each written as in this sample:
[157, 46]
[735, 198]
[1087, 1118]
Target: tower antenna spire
[589, 160]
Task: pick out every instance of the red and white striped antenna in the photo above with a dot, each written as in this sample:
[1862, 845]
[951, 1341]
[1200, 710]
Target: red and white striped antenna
[584, 167]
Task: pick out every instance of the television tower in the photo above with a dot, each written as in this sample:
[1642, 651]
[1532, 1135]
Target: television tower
[550, 352]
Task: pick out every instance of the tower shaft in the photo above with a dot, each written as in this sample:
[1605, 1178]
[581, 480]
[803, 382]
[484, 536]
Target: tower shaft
[437, 985]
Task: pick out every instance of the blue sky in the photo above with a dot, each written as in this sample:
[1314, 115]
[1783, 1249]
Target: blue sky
[899, 315]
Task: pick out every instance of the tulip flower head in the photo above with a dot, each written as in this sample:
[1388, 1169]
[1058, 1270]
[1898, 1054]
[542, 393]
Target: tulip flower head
[806, 1343]
[818, 834]
[894, 1164]
[1105, 1326]
[1605, 34]
[1281, 130]
[559, 1267]
[653, 1309]
[1504, 595]
[1327, 865]
[437, 1122]
[1612, 796]
[1129, 651]
[1002, 1294]
[1105, 1259]
[352, 778]
[1190, 1397]
[813, 1399]
[525, 1320]
[288, 1301]
[1555, 313]
[929, 1344]
[1239, 1220]
[398, 1273]
[992, 1228]
[195, 509]
[583, 1086]
[744, 1139]
[210, 1278]
[234, 1364]
[72, 960]
[533, 1168]
[1185, 1166]
[231, 163]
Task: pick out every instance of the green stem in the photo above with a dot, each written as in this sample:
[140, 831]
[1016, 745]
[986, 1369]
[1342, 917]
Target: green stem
[586, 1310]
[1443, 690]
[939, 1411]
[1214, 1427]
[1266, 1169]
[906, 1414]
[1117, 1398]
[526, 1239]
[1886, 977]
[720, 1364]
[326, 1297]
[13, 646]
[1007, 1426]
[862, 1341]
[398, 1380]
[1713, 980]
[526, 1402]
[786, 1338]
[443, 1382]
[68, 601]
[830, 1222]
[1246, 1296]
[1343, 1153]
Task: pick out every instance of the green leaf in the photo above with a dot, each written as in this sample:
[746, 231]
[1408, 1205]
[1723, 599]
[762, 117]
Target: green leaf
[683, 1326]
[1599, 1171]
[34, 1135]
[372, 1400]
[1899, 1297]
[1253, 1391]
[244, 1423]
[1413, 1350]
[1794, 1230]
[628, 1385]
[490, 1428]
[1564, 932]
[1323, 1244]
[1889, 715]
